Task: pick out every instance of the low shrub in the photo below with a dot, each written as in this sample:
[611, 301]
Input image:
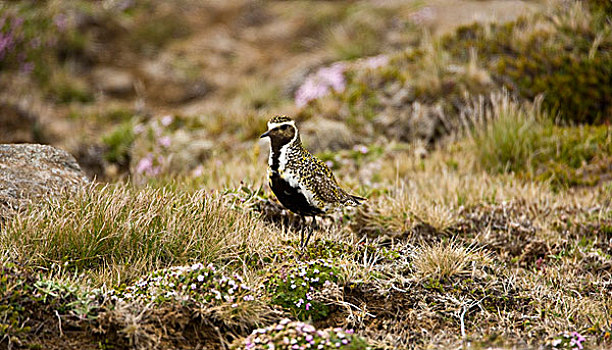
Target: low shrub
[565, 56]
[305, 288]
[298, 335]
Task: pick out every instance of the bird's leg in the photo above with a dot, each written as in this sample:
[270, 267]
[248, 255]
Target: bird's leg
[303, 219]
[312, 227]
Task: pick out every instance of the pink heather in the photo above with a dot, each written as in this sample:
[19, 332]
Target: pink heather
[578, 339]
[145, 164]
[164, 141]
[319, 84]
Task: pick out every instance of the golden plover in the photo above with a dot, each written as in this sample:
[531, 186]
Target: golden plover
[301, 182]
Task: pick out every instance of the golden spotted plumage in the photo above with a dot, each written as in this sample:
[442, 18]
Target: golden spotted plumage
[302, 171]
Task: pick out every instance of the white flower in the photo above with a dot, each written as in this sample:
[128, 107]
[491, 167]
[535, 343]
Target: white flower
[200, 278]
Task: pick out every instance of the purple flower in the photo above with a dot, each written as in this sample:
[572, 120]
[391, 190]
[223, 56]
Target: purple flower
[578, 339]
[320, 83]
[164, 141]
[7, 42]
[145, 164]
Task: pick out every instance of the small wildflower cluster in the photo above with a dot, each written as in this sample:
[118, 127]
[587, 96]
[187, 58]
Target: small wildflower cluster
[23, 40]
[568, 340]
[196, 283]
[299, 335]
[154, 161]
[301, 288]
[321, 83]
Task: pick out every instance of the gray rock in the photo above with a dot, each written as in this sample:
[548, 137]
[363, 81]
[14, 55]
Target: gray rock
[321, 134]
[32, 172]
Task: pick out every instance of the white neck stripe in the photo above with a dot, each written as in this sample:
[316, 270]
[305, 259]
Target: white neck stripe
[282, 157]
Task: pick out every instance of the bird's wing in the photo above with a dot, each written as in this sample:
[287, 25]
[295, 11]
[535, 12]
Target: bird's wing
[324, 184]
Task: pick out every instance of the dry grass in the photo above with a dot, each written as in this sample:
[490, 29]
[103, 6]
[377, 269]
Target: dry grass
[445, 260]
[121, 231]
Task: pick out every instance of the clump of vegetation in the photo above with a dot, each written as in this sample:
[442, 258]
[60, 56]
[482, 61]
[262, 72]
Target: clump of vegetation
[298, 335]
[140, 229]
[417, 94]
[37, 38]
[15, 294]
[531, 57]
[527, 142]
[194, 283]
[343, 251]
[25, 35]
[305, 288]
[119, 143]
[28, 301]
[510, 141]
[422, 93]
[445, 260]
[224, 296]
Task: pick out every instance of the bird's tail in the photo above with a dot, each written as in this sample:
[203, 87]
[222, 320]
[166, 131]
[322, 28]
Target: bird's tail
[355, 200]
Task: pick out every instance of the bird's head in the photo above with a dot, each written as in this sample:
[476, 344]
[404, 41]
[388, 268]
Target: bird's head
[281, 130]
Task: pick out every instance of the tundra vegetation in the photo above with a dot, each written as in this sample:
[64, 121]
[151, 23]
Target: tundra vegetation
[484, 150]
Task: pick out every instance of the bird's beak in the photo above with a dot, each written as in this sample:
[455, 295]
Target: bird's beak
[265, 134]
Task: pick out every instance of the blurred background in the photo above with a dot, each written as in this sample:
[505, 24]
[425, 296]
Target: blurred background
[151, 88]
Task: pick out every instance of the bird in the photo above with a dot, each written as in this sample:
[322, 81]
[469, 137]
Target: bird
[302, 183]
